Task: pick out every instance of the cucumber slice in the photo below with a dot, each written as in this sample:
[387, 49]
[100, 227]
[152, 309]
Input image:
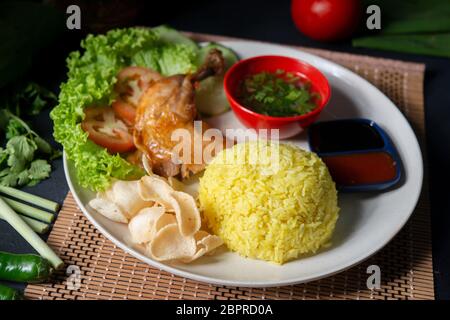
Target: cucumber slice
[210, 97]
[168, 34]
[229, 55]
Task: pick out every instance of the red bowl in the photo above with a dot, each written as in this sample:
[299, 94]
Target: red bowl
[288, 126]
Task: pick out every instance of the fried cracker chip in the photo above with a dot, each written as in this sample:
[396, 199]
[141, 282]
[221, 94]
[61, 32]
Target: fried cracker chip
[108, 209]
[146, 164]
[190, 186]
[170, 244]
[162, 217]
[208, 241]
[154, 188]
[206, 244]
[125, 194]
[164, 220]
[142, 226]
[187, 213]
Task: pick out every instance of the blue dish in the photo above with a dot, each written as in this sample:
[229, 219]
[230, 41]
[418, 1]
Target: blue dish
[387, 146]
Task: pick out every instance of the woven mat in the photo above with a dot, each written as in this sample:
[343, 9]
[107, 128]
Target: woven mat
[406, 262]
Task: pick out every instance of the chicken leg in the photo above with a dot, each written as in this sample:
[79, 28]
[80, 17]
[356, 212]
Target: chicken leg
[168, 105]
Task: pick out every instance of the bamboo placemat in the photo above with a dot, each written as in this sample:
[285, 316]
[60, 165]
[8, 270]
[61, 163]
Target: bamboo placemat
[406, 262]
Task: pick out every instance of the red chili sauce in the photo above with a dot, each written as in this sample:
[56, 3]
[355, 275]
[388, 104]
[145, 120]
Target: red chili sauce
[361, 168]
[351, 151]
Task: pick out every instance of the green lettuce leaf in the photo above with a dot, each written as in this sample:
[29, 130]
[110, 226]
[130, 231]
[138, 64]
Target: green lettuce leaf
[91, 78]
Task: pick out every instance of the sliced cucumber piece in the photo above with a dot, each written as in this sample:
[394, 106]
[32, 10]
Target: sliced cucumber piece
[171, 35]
[210, 97]
[229, 55]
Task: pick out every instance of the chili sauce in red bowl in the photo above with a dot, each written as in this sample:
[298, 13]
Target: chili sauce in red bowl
[358, 153]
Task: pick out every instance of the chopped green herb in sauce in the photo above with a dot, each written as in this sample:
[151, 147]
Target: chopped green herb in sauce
[278, 94]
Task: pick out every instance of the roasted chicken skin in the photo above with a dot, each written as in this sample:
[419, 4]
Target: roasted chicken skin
[168, 105]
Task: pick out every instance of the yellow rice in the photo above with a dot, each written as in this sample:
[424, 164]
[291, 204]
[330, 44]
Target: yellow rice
[265, 211]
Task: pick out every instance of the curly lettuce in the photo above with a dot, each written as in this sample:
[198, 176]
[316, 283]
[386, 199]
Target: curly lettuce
[91, 77]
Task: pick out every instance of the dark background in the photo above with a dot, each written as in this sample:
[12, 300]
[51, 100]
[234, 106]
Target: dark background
[266, 21]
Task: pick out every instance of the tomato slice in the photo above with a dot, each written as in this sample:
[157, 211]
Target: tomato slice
[125, 111]
[105, 130]
[133, 81]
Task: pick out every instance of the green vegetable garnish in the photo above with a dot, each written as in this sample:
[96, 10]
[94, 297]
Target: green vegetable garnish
[36, 226]
[24, 267]
[427, 44]
[29, 235]
[24, 160]
[413, 16]
[413, 26]
[279, 94]
[7, 293]
[30, 198]
[29, 211]
[91, 77]
[210, 97]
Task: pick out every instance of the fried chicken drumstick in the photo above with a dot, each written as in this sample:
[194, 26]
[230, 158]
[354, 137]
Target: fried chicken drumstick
[168, 105]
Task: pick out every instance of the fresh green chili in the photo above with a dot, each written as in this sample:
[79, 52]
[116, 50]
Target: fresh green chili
[24, 267]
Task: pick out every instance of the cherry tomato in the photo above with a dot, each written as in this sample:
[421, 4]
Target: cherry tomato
[106, 130]
[326, 20]
[124, 111]
[133, 81]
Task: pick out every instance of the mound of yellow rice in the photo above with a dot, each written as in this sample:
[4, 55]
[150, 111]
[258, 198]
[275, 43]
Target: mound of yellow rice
[274, 208]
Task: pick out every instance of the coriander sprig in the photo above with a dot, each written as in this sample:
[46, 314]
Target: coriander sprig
[23, 161]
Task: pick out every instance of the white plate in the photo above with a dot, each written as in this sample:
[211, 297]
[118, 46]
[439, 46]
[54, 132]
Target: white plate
[367, 221]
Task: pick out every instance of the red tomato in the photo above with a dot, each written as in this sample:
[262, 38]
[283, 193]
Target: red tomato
[326, 20]
[133, 81]
[124, 111]
[105, 130]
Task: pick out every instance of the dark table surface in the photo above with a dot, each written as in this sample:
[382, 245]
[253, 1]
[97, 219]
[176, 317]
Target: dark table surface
[271, 21]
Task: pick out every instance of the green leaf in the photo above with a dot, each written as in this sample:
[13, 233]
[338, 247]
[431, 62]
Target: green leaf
[3, 157]
[172, 36]
[22, 146]
[177, 59]
[23, 178]
[413, 16]
[147, 58]
[432, 44]
[14, 129]
[21, 151]
[17, 123]
[4, 172]
[39, 169]
[9, 179]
